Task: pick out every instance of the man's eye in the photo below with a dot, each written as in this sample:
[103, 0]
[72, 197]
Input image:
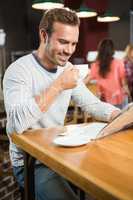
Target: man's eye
[74, 44]
[63, 41]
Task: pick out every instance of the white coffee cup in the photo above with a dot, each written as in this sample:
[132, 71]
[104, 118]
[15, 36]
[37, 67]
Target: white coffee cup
[83, 70]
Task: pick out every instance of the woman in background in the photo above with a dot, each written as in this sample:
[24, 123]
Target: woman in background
[129, 68]
[109, 73]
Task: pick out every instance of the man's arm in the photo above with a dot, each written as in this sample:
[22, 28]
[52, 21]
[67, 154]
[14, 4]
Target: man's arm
[67, 80]
[92, 105]
[114, 114]
[23, 109]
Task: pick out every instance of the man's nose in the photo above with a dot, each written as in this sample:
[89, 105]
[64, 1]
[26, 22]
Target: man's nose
[69, 49]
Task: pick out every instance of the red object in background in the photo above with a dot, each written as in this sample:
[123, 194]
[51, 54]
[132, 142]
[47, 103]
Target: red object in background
[91, 31]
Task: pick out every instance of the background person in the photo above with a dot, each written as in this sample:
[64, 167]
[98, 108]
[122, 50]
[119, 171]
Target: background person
[109, 73]
[37, 91]
[128, 61]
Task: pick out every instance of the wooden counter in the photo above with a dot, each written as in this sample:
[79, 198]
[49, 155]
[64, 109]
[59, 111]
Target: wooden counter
[103, 168]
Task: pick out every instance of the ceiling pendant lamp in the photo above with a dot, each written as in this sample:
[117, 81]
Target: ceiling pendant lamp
[47, 4]
[108, 17]
[85, 12]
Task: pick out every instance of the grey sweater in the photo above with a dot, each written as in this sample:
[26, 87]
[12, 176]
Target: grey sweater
[26, 78]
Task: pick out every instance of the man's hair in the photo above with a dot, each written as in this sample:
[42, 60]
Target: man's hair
[62, 15]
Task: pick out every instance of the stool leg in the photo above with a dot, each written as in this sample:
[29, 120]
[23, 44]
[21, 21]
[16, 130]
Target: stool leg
[82, 195]
[29, 185]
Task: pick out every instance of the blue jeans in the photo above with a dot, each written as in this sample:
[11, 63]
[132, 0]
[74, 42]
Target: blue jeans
[48, 184]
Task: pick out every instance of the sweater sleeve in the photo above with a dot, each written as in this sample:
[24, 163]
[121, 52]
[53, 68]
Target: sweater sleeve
[91, 104]
[21, 108]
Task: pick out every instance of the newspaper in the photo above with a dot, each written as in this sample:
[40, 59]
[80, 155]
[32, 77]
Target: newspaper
[121, 122]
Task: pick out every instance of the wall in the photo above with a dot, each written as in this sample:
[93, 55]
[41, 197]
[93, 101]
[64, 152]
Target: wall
[14, 20]
[120, 31]
[8, 186]
[91, 31]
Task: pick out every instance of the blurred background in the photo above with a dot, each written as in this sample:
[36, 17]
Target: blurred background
[20, 23]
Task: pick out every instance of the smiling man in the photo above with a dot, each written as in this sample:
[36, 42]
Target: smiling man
[59, 46]
[37, 91]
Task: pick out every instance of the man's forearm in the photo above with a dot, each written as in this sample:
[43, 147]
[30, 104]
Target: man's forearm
[46, 98]
[67, 80]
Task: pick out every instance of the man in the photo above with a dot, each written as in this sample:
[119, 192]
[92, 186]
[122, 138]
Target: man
[37, 92]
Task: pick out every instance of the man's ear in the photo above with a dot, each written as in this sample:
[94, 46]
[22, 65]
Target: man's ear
[43, 36]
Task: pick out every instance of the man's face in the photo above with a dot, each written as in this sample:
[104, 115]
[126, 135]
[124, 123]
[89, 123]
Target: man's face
[61, 44]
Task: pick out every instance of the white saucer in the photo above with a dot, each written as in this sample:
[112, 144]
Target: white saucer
[79, 135]
[70, 141]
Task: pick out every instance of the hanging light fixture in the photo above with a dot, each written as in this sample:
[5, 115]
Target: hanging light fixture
[47, 4]
[85, 12]
[108, 17]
